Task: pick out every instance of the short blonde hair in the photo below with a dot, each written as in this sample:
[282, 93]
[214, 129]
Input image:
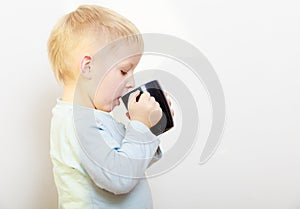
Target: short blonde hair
[78, 30]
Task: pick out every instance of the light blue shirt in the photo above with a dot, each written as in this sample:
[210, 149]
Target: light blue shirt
[97, 162]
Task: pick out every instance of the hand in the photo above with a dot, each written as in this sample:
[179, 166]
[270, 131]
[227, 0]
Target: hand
[128, 116]
[169, 102]
[146, 110]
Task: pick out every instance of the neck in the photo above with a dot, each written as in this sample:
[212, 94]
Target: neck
[82, 98]
[68, 93]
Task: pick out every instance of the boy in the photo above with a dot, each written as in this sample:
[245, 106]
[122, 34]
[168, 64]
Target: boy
[97, 163]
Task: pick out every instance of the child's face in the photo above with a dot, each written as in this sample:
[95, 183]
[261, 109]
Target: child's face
[116, 82]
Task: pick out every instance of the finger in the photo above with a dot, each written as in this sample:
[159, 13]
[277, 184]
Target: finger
[128, 116]
[166, 93]
[167, 97]
[152, 99]
[172, 112]
[157, 104]
[145, 96]
[169, 101]
[133, 96]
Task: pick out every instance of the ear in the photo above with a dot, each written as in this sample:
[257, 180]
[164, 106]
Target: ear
[85, 66]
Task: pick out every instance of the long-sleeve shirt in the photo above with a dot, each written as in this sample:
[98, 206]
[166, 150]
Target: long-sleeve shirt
[97, 162]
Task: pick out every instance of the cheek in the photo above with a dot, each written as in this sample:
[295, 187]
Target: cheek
[101, 93]
[98, 100]
[110, 87]
[104, 94]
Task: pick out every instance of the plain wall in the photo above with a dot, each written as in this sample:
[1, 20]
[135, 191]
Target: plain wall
[254, 47]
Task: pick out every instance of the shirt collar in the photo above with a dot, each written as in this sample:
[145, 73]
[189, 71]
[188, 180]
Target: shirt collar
[99, 114]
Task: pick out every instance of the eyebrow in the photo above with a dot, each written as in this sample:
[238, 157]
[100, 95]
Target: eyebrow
[126, 66]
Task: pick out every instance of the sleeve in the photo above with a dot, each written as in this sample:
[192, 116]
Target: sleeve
[144, 129]
[116, 167]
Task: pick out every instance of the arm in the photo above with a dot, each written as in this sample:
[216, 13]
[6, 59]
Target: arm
[117, 167]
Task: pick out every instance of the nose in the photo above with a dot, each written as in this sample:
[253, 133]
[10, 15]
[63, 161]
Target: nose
[130, 82]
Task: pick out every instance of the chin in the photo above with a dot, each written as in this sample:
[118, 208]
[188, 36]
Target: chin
[105, 109]
[111, 108]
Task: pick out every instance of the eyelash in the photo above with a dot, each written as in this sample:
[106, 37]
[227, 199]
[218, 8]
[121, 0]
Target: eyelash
[123, 72]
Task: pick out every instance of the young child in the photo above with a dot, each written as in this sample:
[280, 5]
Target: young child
[97, 162]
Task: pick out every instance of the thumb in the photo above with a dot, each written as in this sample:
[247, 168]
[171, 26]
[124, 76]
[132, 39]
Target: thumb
[133, 96]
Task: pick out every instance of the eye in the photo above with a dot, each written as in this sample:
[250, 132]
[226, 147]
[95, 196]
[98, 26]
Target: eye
[125, 68]
[123, 72]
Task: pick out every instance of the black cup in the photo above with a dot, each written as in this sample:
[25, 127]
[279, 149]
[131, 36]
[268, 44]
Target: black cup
[154, 89]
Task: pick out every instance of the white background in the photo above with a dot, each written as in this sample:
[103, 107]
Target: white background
[254, 47]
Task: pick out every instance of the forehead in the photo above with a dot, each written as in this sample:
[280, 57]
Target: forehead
[120, 48]
[129, 61]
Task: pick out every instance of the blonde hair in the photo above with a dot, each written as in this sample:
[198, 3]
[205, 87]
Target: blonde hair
[78, 31]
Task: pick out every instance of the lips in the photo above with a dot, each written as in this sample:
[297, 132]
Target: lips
[118, 101]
